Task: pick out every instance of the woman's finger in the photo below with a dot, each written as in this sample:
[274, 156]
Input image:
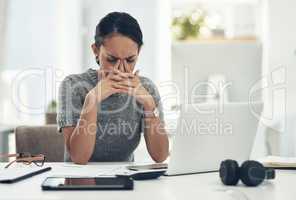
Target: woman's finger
[119, 90]
[122, 89]
[137, 72]
[117, 65]
[118, 86]
[121, 67]
[127, 83]
[126, 67]
[123, 75]
[114, 77]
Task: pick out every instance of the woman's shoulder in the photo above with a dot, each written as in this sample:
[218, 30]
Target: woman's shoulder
[87, 77]
[145, 81]
[148, 84]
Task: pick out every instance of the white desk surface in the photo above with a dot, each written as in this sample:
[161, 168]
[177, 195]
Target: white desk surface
[197, 186]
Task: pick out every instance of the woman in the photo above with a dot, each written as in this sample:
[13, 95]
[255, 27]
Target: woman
[103, 112]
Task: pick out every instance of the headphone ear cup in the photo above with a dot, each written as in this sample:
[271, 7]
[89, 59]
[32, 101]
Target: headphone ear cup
[229, 172]
[252, 173]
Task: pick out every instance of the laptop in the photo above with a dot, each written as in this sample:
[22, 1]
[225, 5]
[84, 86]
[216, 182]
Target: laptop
[209, 133]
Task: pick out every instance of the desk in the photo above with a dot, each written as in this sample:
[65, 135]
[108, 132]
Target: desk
[198, 186]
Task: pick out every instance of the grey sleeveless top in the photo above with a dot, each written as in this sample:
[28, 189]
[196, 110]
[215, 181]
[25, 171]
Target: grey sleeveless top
[120, 117]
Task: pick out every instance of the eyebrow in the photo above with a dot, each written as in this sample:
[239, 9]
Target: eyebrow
[129, 57]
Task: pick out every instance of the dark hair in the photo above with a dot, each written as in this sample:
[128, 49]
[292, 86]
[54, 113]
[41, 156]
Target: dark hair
[118, 22]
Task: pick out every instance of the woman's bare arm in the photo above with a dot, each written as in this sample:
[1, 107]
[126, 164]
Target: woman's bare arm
[156, 139]
[155, 136]
[80, 140]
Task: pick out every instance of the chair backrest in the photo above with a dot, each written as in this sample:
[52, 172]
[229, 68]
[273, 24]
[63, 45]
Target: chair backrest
[41, 140]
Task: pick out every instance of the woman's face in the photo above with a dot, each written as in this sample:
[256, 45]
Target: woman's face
[117, 50]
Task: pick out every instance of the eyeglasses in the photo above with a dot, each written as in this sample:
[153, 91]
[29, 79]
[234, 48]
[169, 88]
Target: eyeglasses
[26, 158]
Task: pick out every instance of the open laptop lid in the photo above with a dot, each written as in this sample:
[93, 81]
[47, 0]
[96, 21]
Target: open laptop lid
[210, 133]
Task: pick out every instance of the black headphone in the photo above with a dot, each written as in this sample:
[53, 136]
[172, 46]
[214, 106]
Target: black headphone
[251, 173]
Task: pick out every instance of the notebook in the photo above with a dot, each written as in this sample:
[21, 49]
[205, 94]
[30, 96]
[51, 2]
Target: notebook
[278, 162]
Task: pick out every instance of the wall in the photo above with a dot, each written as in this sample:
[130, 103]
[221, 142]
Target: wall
[3, 12]
[279, 66]
[44, 33]
[46, 36]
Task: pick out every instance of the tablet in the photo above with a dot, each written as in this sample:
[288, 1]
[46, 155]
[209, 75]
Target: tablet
[12, 175]
[88, 183]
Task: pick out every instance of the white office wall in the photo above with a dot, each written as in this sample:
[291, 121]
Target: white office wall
[43, 33]
[282, 44]
[3, 12]
[70, 35]
[279, 66]
[46, 36]
[29, 25]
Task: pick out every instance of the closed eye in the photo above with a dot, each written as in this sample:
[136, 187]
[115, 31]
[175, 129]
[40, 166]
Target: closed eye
[130, 60]
[112, 60]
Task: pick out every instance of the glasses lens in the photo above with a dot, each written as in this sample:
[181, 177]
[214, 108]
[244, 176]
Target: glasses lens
[40, 161]
[25, 162]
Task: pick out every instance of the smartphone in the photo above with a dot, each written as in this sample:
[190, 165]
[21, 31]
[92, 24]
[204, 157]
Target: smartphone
[88, 183]
[155, 166]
